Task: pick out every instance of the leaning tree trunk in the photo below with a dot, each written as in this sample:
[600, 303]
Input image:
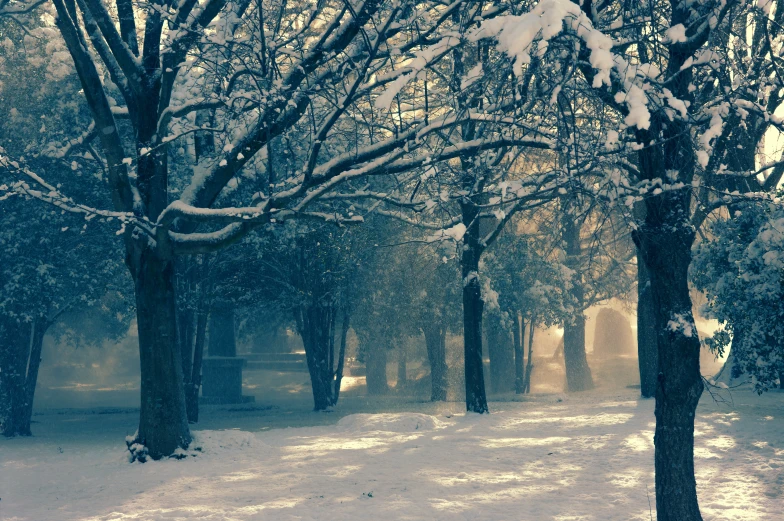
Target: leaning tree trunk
[344, 326]
[647, 350]
[163, 422]
[665, 241]
[473, 306]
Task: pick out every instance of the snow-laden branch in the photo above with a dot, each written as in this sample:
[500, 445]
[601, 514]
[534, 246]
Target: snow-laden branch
[46, 193]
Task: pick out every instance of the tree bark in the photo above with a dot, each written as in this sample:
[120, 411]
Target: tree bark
[163, 422]
[665, 239]
[473, 306]
[647, 351]
[665, 242]
[316, 325]
[435, 341]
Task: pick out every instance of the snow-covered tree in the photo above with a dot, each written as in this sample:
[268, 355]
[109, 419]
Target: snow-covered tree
[740, 271]
[257, 73]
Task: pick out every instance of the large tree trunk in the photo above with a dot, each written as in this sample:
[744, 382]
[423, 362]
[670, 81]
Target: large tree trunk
[647, 350]
[665, 242]
[501, 354]
[519, 355]
[316, 323]
[435, 341]
[476, 399]
[163, 422]
[376, 369]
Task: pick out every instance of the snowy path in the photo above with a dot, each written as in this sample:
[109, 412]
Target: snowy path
[586, 458]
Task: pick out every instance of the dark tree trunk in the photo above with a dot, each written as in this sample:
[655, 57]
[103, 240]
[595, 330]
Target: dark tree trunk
[36, 347]
[163, 422]
[316, 323]
[472, 248]
[647, 350]
[578, 374]
[435, 341]
[501, 354]
[20, 359]
[473, 306]
[665, 243]
[664, 240]
[222, 341]
[519, 356]
[14, 353]
[376, 365]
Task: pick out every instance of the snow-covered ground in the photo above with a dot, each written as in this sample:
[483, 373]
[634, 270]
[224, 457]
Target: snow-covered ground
[552, 457]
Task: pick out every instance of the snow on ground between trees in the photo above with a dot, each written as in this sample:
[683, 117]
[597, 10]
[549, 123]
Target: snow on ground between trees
[586, 457]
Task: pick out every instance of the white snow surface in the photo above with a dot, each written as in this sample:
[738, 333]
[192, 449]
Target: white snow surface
[551, 457]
